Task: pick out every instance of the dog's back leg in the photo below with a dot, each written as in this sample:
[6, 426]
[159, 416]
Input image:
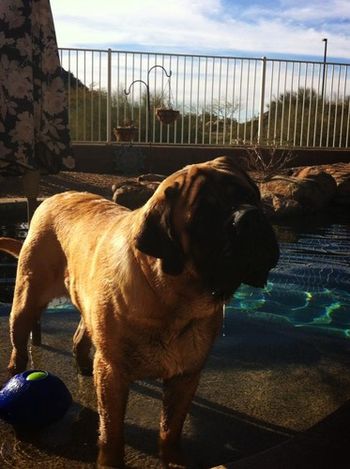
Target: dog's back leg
[81, 349]
[39, 280]
[25, 311]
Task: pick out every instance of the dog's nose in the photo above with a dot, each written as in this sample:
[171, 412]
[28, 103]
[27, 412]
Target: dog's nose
[257, 247]
[245, 213]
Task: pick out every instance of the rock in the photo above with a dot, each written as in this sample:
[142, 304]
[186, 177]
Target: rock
[326, 183]
[279, 206]
[343, 192]
[340, 172]
[325, 180]
[278, 197]
[308, 190]
[151, 177]
[290, 196]
[133, 194]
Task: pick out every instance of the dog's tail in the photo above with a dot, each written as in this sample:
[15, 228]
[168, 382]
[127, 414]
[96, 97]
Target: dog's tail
[10, 246]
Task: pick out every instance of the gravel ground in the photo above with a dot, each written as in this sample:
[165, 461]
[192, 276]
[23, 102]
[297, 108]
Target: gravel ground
[11, 188]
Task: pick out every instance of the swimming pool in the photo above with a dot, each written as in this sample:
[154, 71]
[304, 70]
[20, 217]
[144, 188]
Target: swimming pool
[310, 287]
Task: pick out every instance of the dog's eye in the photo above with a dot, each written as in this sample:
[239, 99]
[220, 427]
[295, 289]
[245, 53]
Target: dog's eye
[211, 200]
[207, 210]
[236, 194]
[231, 191]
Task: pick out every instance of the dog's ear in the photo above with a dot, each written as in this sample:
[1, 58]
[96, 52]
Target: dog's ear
[157, 236]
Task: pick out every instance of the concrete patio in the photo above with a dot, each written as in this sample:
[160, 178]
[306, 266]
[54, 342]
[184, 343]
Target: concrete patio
[264, 385]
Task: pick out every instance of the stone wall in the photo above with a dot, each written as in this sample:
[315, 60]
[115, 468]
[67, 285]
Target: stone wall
[166, 159]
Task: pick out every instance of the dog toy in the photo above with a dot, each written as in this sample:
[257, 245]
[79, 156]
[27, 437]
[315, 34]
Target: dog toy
[34, 398]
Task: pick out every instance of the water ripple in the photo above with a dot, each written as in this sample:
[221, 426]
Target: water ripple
[310, 286]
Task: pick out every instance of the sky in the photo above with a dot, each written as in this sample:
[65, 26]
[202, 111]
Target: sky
[244, 28]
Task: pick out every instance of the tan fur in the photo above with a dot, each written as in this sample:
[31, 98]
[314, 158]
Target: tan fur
[142, 322]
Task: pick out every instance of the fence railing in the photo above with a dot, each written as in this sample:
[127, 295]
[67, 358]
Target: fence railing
[221, 100]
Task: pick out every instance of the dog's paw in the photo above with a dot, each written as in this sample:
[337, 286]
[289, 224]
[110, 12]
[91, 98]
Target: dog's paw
[119, 464]
[173, 465]
[84, 365]
[85, 370]
[172, 458]
[99, 466]
[17, 364]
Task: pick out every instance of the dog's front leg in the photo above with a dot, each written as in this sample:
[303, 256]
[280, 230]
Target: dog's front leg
[177, 398]
[112, 390]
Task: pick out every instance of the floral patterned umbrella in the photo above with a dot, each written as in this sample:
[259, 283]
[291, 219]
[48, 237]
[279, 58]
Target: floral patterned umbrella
[34, 131]
[34, 134]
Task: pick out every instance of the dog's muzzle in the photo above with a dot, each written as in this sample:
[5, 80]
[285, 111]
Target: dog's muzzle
[255, 244]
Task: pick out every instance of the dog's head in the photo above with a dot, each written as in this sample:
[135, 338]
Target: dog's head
[209, 215]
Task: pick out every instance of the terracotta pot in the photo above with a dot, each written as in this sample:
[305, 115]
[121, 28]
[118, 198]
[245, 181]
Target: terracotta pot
[167, 116]
[125, 134]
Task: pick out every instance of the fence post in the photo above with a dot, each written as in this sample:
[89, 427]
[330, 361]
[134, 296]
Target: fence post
[109, 97]
[262, 101]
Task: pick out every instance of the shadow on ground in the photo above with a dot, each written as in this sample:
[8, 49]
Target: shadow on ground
[263, 386]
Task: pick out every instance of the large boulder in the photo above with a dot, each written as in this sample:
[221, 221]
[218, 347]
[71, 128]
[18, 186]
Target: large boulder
[278, 197]
[325, 185]
[307, 190]
[339, 172]
[133, 194]
[302, 194]
[325, 181]
[343, 192]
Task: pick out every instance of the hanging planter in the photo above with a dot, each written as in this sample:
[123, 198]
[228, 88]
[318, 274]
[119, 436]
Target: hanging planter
[126, 133]
[167, 115]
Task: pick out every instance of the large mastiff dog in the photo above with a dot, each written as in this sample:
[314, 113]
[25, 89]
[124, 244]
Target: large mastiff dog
[150, 285]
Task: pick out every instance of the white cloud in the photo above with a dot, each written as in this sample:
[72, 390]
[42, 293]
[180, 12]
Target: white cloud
[303, 12]
[293, 27]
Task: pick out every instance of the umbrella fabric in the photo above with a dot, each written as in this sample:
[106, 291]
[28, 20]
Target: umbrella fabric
[34, 131]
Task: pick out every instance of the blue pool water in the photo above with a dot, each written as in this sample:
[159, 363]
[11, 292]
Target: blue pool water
[310, 287]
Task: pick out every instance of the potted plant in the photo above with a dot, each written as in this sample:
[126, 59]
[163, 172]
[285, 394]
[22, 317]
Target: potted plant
[167, 115]
[126, 132]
